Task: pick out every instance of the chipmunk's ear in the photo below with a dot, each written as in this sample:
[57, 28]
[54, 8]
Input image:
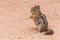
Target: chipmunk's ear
[38, 7]
[35, 5]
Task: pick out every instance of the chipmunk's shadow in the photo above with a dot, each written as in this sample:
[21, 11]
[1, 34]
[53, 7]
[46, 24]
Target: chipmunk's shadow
[33, 29]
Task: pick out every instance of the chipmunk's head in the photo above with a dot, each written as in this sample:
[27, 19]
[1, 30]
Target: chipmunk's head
[35, 10]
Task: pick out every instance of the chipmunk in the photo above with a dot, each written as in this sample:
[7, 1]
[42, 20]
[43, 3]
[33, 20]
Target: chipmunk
[40, 20]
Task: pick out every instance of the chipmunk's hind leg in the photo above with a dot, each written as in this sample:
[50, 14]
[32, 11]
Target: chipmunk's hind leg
[43, 29]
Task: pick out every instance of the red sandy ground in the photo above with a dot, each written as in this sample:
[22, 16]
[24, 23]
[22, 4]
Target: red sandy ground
[16, 25]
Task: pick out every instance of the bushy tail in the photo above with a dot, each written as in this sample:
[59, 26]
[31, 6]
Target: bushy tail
[49, 32]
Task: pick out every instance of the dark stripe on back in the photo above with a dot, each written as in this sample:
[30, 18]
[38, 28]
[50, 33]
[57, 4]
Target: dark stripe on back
[43, 19]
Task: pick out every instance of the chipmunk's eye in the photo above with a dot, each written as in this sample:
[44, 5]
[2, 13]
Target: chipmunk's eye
[34, 9]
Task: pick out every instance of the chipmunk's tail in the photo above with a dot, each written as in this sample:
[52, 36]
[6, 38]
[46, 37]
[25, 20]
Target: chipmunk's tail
[49, 32]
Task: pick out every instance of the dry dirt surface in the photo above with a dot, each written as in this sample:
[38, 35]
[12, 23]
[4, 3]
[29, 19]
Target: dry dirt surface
[15, 23]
